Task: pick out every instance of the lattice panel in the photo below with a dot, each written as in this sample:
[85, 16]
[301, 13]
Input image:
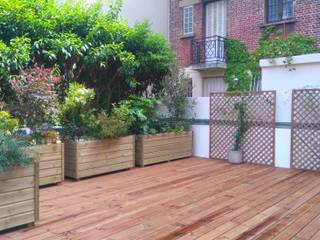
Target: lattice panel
[305, 146]
[258, 144]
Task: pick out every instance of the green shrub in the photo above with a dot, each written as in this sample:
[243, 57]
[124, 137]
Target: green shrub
[14, 55]
[140, 112]
[112, 127]
[76, 112]
[175, 98]
[12, 153]
[36, 97]
[85, 43]
[8, 124]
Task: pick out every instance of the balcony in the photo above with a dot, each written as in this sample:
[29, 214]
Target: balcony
[208, 53]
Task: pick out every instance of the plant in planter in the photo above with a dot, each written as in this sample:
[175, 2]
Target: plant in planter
[140, 113]
[236, 155]
[94, 145]
[166, 137]
[36, 106]
[8, 123]
[18, 184]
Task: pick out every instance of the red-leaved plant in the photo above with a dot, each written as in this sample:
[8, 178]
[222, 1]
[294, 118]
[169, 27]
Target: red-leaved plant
[37, 98]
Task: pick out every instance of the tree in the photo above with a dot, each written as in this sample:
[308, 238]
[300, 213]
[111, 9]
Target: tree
[86, 44]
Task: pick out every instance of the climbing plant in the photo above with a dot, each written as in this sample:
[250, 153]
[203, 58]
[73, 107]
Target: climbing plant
[273, 44]
[243, 69]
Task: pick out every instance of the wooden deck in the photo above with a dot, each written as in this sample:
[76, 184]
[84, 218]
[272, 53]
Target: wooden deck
[188, 199]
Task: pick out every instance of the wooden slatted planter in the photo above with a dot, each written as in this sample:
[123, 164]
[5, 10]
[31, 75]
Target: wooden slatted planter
[151, 149]
[19, 197]
[91, 158]
[51, 163]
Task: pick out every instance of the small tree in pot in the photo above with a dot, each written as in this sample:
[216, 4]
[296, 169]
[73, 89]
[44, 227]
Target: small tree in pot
[236, 154]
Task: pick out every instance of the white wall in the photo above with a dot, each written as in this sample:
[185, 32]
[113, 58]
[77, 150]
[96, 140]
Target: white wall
[201, 128]
[277, 76]
[303, 73]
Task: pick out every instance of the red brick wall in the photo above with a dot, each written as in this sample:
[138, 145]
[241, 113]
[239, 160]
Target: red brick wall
[244, 22]
[307, 13]
[246, 17]
[182, 46]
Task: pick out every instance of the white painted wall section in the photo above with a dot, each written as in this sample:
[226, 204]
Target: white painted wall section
[283, 148]
[304, 72]
[201, 141]
[277, 76]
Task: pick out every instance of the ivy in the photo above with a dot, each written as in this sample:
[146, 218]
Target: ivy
[243, 69]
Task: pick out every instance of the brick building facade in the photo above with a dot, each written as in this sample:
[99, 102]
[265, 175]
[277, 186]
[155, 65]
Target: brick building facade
[244, 20]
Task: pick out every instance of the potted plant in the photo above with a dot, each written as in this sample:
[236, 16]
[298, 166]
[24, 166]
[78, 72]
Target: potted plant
[235, 155]
[18, 179]
[166, 136]
[36, 107]
[93, 145]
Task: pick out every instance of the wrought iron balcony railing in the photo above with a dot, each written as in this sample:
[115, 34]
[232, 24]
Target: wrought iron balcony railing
[208, 50]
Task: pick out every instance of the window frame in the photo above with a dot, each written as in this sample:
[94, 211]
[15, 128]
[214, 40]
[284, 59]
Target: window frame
[186, 20]
[280, 16]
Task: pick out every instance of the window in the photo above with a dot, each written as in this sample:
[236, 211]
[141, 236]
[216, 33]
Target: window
[279, 10]
[188, 20]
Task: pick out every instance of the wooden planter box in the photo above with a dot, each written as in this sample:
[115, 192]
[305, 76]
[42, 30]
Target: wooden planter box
[19, 197]
[151, 149]
[51, 163]
[91, 158]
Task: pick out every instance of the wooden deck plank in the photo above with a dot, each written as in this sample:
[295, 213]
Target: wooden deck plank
[186, 200]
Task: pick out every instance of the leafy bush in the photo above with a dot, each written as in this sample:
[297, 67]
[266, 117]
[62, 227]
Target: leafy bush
[12, 153]
[76, 112]
[14, 55]
[37, 100]
[175, 98]
[112, 127]
[8, 124]
[86, 44]
[140, 112]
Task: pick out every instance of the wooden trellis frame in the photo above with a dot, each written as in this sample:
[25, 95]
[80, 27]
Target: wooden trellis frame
[305, 132]
[259, 143]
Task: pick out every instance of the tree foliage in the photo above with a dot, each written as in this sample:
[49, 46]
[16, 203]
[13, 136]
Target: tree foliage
[85, 44]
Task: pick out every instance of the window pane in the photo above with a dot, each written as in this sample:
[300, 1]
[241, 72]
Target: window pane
[273, 10]
[188, 20]
[287, 9]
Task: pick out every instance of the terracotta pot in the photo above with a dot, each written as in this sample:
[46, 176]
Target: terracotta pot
[235, 157]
